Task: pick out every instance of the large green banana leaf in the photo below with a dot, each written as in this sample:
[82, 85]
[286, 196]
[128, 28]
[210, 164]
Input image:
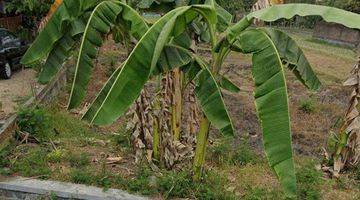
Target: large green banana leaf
[271, 104]
[294, 57]
[288, 11]
[329, 14]
[106, 15]
[209, 96]
[61, 51]
[227, 84]
[56, 28]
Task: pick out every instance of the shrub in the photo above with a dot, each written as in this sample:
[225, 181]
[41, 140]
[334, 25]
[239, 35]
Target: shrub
[35, 121]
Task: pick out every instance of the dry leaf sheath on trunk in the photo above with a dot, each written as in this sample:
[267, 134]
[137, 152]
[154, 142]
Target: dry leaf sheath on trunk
[347, 152]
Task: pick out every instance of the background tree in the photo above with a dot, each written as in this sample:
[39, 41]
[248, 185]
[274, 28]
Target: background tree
[32, 12]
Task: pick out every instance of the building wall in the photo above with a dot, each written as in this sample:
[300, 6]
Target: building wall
[337, 33]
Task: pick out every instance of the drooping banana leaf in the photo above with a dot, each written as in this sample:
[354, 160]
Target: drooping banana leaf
[105, 16]
[294, 57]
[61, 51]
[57, 26]
[271, 99]
[227, 84]
[209, 96]
[288, 11]
[56, 58]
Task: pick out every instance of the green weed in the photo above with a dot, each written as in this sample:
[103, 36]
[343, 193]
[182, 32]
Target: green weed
[308, 105]
[55, 156]
[81, 176]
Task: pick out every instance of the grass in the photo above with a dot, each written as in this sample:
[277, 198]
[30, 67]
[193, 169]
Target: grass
[309, 181]
[237, 172]
[225, 152]
[76, 147]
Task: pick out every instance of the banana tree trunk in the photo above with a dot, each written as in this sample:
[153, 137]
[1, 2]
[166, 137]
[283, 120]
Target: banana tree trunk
[201, 143]
[176, 104]
[347, 151]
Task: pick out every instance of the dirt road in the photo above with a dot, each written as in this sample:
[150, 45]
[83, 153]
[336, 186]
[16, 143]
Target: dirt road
[15, 91]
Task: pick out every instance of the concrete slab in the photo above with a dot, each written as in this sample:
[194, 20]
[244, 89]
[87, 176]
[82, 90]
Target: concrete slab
[31, 189]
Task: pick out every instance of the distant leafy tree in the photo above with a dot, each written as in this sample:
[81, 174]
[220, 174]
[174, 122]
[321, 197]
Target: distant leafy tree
[32, 10]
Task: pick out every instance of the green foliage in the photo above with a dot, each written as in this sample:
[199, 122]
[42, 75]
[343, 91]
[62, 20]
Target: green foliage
[309, 180]
[4, 153]
[30, 8]
[308, 105]
[33, 163]
[258, 193]
[68, 125]
[181, 185]
[225, 152]
[173, 184]
[34, 121]
[310, 21]
[32, 11]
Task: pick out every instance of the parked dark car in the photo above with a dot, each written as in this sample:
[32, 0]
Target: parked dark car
[12, 49]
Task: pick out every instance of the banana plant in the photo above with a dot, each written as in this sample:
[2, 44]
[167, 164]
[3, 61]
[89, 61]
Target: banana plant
[272, 51]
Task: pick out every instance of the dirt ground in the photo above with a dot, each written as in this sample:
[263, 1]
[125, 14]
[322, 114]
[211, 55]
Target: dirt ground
[17, 90]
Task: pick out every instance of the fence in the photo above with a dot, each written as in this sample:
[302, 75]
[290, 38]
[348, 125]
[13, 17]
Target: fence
[11, 23]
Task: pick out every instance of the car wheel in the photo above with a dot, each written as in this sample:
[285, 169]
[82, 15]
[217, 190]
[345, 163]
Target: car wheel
[6, 72]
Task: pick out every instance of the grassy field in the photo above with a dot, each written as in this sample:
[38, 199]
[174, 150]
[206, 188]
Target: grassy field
[67, 149]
